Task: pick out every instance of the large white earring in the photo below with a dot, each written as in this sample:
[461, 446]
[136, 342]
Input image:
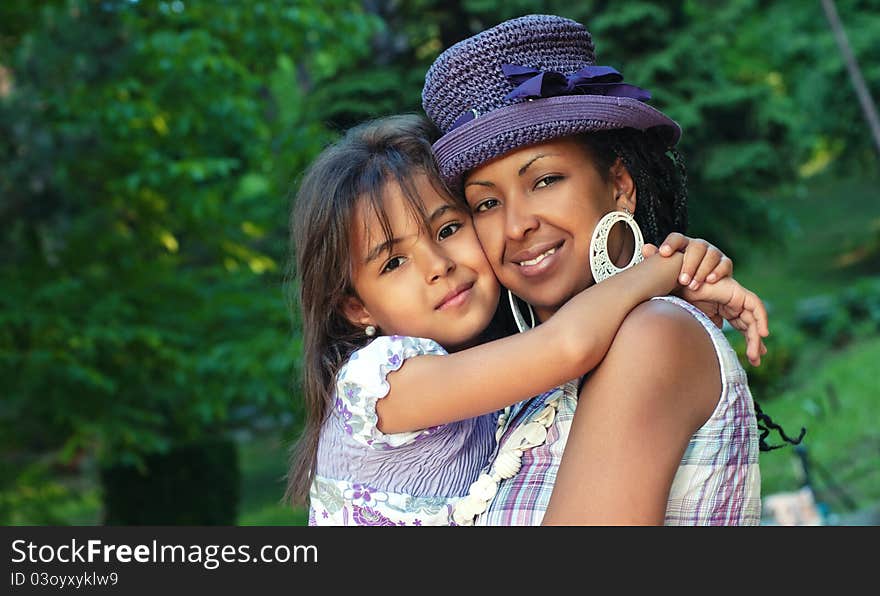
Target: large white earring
[517, 315]
[600, 263]
[370, 330]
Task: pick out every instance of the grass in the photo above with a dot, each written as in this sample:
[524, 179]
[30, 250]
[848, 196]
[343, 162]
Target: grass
[833, 242]
[839, 407]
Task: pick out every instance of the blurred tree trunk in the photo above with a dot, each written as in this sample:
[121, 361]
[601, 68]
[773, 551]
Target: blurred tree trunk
[855, 74]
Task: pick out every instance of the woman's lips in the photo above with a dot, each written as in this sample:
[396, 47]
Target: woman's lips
[540, 263]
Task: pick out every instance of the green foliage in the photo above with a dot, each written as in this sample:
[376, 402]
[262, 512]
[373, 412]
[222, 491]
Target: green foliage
[794, 49]
[37, 493]
[263, 483]
[773, 375]
[834, 320]
[839, 318]
[148, 150]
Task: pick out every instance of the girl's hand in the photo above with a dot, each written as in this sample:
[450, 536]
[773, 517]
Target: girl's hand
[703, 262]
[742, 308]
[721, 297]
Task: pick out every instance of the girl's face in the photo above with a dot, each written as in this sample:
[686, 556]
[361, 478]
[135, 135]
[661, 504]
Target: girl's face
[434, 283]
[535, 209]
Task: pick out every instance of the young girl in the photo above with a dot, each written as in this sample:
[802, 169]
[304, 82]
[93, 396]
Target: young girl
[545, 146]
[391, 273]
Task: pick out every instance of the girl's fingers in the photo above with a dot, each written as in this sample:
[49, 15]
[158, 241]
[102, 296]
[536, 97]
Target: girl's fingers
[710, 261]
[693, 255]
[756, 306]
[722, 270]
[673, 243]
[753, 349]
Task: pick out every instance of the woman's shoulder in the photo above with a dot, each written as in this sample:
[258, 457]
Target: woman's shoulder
[673, 351]
[661, 322]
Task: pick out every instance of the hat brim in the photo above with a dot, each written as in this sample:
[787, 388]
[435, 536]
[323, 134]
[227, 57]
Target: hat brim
[491, 135]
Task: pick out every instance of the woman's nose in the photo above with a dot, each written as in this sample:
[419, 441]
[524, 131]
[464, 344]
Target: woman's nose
[520, 219]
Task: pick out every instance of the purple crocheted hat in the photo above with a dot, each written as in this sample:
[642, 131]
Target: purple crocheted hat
[525, 81]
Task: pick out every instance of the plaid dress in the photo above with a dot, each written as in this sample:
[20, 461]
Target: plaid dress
[718, 481]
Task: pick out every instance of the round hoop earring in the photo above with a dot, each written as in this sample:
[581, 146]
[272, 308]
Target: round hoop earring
[517, 315]
[370, 331]
[600, 262]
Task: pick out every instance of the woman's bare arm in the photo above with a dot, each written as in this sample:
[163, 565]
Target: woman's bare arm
[659, 382]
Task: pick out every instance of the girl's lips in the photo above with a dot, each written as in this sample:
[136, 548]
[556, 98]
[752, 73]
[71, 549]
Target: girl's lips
[456, 298]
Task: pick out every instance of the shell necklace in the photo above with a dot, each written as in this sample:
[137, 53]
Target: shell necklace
[508, 462]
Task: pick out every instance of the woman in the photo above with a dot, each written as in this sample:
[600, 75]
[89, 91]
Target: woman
[546, 147]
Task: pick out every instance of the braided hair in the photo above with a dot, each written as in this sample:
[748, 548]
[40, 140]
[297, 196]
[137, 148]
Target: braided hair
[661, 180]
[657, 170]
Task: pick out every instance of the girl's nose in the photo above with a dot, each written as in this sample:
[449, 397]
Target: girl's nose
[439, 265]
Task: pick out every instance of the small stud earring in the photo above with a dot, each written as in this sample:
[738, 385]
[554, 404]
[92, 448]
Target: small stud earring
[370, 331]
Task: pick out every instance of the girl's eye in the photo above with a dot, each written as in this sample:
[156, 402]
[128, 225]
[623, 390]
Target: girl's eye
[486, 205]
[448, 230]
[547, 181]
[392, 264]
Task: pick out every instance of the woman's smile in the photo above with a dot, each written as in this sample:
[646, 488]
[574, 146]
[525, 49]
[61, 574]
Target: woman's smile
[540, 259]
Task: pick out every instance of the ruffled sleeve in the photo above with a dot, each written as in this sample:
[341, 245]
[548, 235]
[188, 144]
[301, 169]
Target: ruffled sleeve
[362, 382]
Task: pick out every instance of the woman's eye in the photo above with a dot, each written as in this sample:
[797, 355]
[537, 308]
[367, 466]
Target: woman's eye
[486, 205]
[448, 230]
[547, 181]
[392, 264]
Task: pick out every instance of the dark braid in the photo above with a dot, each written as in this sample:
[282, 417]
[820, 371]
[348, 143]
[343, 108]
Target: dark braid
[658, 172]
[661, 206]
[764, 421]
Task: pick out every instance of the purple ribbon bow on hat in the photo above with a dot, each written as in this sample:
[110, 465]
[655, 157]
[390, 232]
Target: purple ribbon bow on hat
[590, 80]
[536, 84]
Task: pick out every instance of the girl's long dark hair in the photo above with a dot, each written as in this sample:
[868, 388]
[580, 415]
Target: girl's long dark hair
[357, 168]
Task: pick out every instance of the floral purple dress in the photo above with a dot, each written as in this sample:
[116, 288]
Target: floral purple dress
[367, 478]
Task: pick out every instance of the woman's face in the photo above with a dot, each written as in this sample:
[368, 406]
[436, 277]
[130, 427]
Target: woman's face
[534, 211]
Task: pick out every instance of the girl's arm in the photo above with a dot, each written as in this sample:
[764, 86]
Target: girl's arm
[659, 382]
[432, 390]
